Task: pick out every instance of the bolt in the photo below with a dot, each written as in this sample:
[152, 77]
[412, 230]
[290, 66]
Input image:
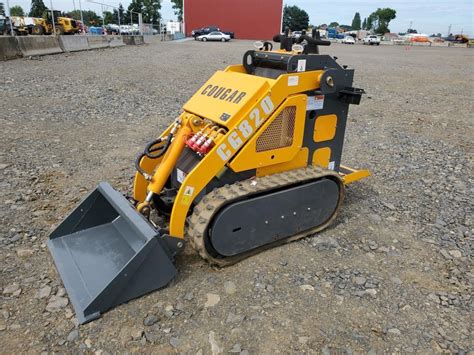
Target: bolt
[330, 81]
[266, 222]
[180, 244]
[309, 208]
[294, 213]
[282, 217]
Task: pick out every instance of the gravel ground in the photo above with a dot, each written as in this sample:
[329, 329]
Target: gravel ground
[393, 274]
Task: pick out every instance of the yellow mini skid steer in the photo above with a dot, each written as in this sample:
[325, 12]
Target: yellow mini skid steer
[253, 161]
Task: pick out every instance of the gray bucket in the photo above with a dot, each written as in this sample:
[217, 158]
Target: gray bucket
[107, 254]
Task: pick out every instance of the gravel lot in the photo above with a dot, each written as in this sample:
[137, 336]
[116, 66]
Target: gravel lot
[393, 274]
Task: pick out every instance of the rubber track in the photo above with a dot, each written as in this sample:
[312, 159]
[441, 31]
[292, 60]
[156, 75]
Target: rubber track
[198, 222]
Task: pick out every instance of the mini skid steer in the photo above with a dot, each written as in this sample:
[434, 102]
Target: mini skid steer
[253, 161]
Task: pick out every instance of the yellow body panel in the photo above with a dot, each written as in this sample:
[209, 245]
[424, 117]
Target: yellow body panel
[321, 157]
[250, 158]
[300, 160]
[226, 96]
[325, 128]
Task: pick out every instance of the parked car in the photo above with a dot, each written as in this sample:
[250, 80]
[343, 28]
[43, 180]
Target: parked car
[112, 29]
[214, 36]
[296, 34]
[95, 30]
[129, 29]
[348, 40]
[4, 25]
[209, 29]
[372, 39]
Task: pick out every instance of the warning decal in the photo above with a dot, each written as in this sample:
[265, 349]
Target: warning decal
[315, 103]
[187, 196]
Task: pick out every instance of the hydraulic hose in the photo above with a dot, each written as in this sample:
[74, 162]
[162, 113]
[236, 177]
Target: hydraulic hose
[149, 151]
[150, 147]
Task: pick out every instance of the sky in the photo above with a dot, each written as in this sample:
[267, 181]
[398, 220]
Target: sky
[427, 16]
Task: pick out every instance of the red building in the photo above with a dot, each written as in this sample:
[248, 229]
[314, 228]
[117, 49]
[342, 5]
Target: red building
[248, 19]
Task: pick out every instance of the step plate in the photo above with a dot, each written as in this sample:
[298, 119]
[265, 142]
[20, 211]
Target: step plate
[265, 219]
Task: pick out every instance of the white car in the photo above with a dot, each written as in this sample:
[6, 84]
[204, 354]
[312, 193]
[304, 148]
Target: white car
[214, 36]
[348, 40]
[372, 39]
[296, 34]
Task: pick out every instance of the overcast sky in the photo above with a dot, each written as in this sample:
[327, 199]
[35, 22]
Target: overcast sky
[427, 16]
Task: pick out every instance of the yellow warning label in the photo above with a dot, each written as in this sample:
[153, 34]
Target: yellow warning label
[187, 196]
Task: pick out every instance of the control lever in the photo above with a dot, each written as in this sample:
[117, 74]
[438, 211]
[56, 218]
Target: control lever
[313, 42]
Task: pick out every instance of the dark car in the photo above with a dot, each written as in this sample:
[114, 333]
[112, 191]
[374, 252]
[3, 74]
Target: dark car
[207, 30]
[4, 25]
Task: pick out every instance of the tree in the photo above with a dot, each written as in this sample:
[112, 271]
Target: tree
[356, 22]
[120, 11]
[89, 16]
[109, 17]
[178, 9]
[151, 11]
[345, 28]
[294, 18]
[364, 24]
[37, 8]
[17, 11]
[381, 18]
[136, 6]
[370, 22]
[2, 9]
[334, 24]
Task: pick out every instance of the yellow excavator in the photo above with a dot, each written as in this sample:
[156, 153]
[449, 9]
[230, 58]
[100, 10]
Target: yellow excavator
[252, 162]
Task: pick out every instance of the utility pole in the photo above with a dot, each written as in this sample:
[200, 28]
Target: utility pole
[11, 22]
[52, 18]
[449, 31]
[82, 18]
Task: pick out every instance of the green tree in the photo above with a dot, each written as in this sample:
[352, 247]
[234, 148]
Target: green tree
[136, 6]
[37, 8]
[295, 18]
[364, 24]
[178, 9]
[121, 13]
[90, 17]
[345, 28]
[381, 19]
[356, 22]
[2, 9]
[370, 22]
[151, 11]
[334, 24]
[17, 11]
[109, 17]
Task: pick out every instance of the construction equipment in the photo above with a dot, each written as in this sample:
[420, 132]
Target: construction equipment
[253, 161]
[20, 28]
[62, 25]
[5, 28]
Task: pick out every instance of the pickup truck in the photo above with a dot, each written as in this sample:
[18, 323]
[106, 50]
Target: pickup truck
[207, 30]
[372, 39]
